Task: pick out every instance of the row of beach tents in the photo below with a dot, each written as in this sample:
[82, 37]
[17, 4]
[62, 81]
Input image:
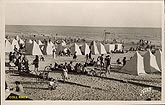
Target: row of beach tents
[38, 48]
[148, 63]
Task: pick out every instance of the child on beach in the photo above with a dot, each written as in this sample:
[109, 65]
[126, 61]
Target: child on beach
[54, 53]
[36, 63]
[52, 84]
[19, 87]
[42, 58]
[75, 56]
[65, 73]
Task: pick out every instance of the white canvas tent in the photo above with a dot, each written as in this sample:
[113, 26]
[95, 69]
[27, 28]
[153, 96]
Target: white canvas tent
[101, 48]
[39, 42]
[75, 48]
[159, 58]
[15, 43]
[150, 64]
[119, 47]
[48, 49]
[21, 41]
[53, 45]
[135, 65]
[17, 38]
[63, 43]
[8, 46]
[33, 49]
[93, 48]
[85, 49]
[109, 47]
[60, 47]
[30, 41]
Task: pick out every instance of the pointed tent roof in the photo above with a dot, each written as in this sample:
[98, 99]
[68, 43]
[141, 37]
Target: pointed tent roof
[85, 49]
[135, 65]
[21, 41]
[109, 47]
[94, 48]
[33, 49]
[8, 46]
[17, 38]
[51, 43]
[159, 58]
[15, 43]
[39, 42]
[75, 48]
[48, 49]
[30, 41]
[63, 43]
[150, 64]
[101, 48]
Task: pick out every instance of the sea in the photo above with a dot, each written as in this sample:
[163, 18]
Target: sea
[126, 34]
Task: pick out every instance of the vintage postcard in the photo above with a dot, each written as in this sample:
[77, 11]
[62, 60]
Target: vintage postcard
[83, 51]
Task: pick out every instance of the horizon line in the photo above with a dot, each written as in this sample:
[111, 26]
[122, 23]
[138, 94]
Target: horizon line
[80, 26]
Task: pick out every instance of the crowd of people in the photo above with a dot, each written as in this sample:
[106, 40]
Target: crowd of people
[22, 63]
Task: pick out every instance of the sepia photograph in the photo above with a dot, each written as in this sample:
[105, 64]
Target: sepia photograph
[89, 51]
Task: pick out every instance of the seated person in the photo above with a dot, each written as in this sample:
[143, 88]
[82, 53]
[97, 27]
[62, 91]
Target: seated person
[19, 87]
[60, 67]
[70, 66]
[42, 58]
[55, 66]
[84, 69]
[52, 85]
[78, 67]
[92, 62]
[118, 61]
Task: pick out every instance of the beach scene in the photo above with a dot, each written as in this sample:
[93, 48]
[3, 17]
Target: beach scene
[119, 62]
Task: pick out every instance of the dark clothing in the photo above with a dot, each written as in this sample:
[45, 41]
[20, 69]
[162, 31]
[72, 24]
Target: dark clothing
[74, 56]
[36, 63]
[90, 55]
[124, 62]
[16, 62]
[101, 59]
[108, 61]
[10, 57]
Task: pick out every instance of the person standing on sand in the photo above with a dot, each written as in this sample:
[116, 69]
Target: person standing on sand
[90, 55]
[101, 61]
[65, 72]
[54, 53]
[87, 57]
[124, 61]
[36, 64]
[108, 63]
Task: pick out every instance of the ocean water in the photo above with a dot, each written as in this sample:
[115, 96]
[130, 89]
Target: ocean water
[127, 34]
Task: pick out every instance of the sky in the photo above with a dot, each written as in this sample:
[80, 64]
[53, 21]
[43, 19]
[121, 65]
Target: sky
[84, 14]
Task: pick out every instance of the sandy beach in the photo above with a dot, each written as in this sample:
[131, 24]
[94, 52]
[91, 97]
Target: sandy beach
[116, 86]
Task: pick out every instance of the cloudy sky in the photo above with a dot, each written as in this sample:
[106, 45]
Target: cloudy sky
[84, 14]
